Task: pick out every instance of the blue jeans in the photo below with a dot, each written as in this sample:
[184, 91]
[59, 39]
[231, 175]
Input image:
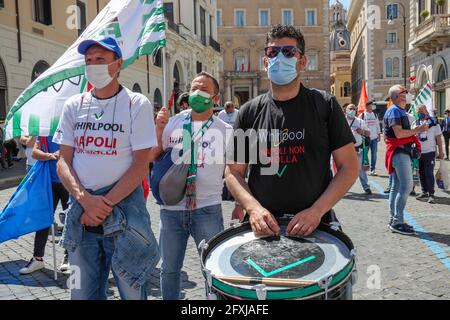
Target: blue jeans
[373, 154]
[90, 264]
[362, 173]
[175, 228]
[402, 184]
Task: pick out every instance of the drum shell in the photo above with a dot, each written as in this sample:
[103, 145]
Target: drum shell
[340, 287]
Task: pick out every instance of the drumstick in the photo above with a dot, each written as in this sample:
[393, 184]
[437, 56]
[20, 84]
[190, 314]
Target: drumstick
[273, 282]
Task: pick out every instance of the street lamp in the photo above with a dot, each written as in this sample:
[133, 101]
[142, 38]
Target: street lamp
[391, 22]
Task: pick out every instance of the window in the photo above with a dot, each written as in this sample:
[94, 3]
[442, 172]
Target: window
[261, 60]
[396, 67]
[422, 5]
[199, 67]
[240, 61]
[287, 17]
[168, 11]
[264, 20]
[3, 91]
[441, 74]
[311, 17]
[392, 11]
[203, 25]
[195, 16]
[219, 17]
[157, 58]
[137, 88]
[157, 99]
[82, 16]
[312, 62]
[392, 37]
[2, 3]
[239, 17]
[388, 66]
[39, 68]
[42, 11]
[346, 89]
[440, 99]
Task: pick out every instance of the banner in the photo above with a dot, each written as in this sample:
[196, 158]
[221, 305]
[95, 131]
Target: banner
[363, 99]
[139, 28]
[424, 97]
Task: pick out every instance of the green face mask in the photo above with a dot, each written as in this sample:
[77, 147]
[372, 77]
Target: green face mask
[200, 101]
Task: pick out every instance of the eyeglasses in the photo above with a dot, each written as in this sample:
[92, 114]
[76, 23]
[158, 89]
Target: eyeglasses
[403, 93]
[288, 51]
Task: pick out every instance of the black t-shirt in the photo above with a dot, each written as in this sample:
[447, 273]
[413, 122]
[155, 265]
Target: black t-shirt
[310, 127]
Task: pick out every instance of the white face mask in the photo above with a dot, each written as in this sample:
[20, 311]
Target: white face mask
[98, 75]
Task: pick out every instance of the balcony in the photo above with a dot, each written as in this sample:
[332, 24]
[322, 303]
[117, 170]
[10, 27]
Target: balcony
[433, 34]
[214, 44]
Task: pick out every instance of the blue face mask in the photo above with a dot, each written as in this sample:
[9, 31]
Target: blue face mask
[351, 114]
[282, 70]
[421, 116]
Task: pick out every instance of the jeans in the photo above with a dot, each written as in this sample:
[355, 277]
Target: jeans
[90, 264]
[373, 154]
[362, 173]
[175, 228]
[402, 184]
[426, 172]
[446, 135]
[40, 239]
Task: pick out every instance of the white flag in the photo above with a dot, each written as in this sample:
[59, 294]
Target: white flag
[139, 28]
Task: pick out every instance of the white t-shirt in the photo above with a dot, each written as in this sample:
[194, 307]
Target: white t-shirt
[211, 157]
[429, 145]
[104, 134]
[354, 125]
[372, 123]
[229, 118]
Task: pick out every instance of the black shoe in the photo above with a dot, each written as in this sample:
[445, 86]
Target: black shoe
[387, 190]
[368, 192]
[413, 193]
[402, 228]
[423, 196]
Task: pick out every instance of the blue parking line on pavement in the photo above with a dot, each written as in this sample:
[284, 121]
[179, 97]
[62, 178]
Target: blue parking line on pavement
[439, 252]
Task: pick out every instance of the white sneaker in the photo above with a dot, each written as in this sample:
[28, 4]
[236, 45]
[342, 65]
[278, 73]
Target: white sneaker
[65, 266]
[32, 266]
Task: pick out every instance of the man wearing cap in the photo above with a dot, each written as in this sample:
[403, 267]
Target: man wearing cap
[371, 120]
[107, 139]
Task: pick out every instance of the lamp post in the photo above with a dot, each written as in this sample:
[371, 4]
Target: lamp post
[391, 22]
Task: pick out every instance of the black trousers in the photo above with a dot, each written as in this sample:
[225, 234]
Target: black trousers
[40, 240]
[426, 172]
[446, 140]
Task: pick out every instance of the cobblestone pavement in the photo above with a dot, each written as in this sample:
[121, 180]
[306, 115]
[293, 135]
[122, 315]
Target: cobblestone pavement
[410, 267]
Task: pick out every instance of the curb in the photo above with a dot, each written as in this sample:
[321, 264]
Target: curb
[10, 182]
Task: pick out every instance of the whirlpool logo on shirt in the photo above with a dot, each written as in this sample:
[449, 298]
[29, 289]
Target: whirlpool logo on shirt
[278, 149]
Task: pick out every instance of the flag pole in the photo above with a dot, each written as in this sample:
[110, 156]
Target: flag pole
[54, 252]
[164, 58]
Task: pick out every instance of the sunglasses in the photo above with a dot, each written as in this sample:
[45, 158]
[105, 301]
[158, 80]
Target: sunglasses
[288, 51]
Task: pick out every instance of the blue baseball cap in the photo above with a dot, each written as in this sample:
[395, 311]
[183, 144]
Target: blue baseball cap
[109, 43]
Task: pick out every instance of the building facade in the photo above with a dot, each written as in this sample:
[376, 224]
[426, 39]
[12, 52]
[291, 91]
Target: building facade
[242, 28]
[337, 12]
[429, 49]
[379, 46]
[340, 63]
[35, 33]
[192, 44]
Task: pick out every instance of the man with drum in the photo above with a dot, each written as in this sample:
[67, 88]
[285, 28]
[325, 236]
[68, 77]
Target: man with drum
[297, 129]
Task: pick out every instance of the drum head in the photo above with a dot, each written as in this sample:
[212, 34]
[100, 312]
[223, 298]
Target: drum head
[312, 258]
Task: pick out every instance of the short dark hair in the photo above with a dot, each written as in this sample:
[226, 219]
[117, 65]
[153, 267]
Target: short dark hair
[210, 76]
[184, 97]
[447, 111]
[279, 31]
